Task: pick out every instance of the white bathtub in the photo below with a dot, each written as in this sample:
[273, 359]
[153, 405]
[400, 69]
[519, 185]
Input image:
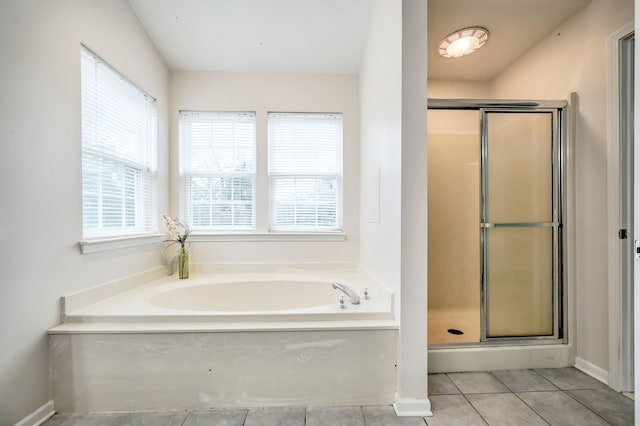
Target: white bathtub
[249, 336]
[246, 296]
[236, 297]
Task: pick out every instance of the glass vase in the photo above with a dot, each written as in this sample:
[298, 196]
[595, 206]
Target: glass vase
[183, 264]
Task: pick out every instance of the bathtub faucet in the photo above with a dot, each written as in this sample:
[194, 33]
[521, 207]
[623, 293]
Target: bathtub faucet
[353, 296]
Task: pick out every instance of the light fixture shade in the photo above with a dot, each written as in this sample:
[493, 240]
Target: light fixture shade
[463, 42]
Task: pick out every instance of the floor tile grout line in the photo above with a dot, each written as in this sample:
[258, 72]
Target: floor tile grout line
[566, 393]
[448, 378]
[556, 388]
[452, 382]
[475, 409]
[185, 418]
[594, 389]
[467, 399]
[487, 393]
[600, 385]
[500, 381]
[533, 409]
[510, 391]
[586, 406]
[545, 379]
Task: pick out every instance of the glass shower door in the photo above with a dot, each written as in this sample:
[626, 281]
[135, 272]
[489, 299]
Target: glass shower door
[520, 223]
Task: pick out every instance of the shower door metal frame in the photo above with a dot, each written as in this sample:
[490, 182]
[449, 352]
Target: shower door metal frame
[554, 224]
[558, 112]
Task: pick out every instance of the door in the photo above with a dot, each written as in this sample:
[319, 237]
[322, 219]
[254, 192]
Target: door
[624, 381]
[520, 223]
[495, 222]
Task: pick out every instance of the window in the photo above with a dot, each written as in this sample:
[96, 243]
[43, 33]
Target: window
[305, 171]
[218, 156]
[119, 153]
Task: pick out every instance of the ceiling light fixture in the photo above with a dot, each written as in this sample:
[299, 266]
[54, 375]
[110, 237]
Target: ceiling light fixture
[463, 42]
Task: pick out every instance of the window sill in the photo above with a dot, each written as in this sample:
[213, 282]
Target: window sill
[100, 245]
[269, 236]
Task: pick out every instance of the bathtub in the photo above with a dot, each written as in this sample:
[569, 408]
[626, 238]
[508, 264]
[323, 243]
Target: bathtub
[242, 336]
[279, 296]
[246, 296]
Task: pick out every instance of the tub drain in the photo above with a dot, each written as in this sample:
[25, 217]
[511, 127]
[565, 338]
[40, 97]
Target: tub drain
[455, 331]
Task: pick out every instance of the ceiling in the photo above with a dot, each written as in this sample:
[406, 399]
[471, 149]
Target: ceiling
[328, 36]
[303, 36]
[514, 26]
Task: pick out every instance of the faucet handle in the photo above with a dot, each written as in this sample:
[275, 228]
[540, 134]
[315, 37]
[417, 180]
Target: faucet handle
[342, 304]
[367, 295]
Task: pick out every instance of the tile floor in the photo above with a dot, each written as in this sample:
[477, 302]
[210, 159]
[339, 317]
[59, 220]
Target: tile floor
[562, 396]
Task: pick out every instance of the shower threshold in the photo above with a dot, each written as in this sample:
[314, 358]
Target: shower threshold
[489, 356]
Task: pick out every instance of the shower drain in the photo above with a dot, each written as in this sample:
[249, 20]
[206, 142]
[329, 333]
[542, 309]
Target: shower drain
[455, 331]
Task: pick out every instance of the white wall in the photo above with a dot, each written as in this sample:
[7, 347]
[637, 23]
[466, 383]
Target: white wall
[412, 387]
[40, 172]
[262, 93]
[393, 178]
[380, 146]
[573, 58]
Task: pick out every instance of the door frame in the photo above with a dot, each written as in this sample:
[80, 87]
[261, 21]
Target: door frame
[558, 118]
[564, 269]
[619, 376]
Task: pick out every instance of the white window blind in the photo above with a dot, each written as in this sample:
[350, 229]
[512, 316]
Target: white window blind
[305, 171]
[119, 153]
[218, 172]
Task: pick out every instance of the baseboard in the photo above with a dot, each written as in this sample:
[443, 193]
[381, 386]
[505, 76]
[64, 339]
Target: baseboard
[39, 416]
[412, 407]
[592, 370]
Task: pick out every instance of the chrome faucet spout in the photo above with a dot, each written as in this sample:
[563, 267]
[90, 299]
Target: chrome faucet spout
[351, 294]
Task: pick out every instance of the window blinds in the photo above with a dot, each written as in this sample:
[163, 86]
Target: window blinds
[305, 171]
[218, 157]
[119, 153]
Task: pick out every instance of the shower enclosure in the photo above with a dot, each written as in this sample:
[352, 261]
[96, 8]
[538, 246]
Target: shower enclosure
[495, 222]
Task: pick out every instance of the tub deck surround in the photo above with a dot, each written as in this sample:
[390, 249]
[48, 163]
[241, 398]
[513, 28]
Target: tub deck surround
[104, 291]
[242, 294]
[219, 327]
[169, 345]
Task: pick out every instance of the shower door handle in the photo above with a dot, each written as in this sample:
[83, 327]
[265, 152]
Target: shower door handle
[519, 225]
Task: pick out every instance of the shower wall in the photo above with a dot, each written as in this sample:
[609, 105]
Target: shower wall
[453, 220]
[454, 233]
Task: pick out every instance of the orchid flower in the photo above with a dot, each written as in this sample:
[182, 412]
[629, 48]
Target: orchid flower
[178, 229]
